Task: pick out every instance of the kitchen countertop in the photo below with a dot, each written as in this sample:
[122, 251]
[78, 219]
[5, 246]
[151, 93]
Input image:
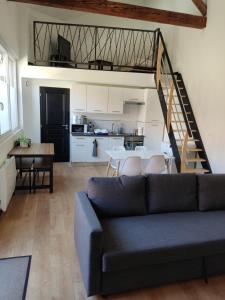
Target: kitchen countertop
[108, 135]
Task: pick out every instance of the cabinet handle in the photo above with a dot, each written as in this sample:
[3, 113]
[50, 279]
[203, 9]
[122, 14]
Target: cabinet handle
[80, 145]
[97, 110]
[116, 111]
[78, 109]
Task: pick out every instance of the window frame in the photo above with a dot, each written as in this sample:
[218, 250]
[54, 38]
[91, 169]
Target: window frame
[13, 60]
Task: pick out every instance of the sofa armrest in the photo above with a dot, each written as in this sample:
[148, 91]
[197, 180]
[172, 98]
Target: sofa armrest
[89, 242]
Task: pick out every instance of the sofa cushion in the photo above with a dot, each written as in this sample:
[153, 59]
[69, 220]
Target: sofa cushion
[118, 196]
[135, 242]
[171, 193]
[211, 192]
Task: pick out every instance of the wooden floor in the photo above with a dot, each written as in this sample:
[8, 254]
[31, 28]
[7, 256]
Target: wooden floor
[42, 225]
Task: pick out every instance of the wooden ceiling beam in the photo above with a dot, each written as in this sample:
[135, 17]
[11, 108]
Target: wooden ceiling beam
[125, 10]
[202, 7]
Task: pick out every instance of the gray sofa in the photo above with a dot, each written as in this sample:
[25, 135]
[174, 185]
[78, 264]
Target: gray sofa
[134, 232]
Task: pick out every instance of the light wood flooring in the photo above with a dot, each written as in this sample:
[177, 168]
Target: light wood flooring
[41, 225]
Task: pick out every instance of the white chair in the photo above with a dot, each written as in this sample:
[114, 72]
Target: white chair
[113, 164]
[131, 166]
[140, 148]
[156, 165]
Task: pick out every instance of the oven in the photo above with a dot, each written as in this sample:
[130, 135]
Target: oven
[131, 141]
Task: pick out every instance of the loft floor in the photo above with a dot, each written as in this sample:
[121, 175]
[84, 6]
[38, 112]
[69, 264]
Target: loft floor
[42, 225]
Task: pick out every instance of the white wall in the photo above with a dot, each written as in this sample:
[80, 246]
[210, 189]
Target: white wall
[31, 109]
[200, 56]
[9, 38]
[9, 19]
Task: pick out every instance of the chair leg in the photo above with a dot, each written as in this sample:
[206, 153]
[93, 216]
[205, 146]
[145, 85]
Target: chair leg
[108, 167]
[30, 181]
[118, 168]
[34, 182]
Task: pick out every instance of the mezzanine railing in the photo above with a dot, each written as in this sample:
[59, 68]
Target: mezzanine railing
[94, 47]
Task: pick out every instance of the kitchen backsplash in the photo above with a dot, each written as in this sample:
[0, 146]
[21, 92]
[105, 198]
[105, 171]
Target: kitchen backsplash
[128, 120]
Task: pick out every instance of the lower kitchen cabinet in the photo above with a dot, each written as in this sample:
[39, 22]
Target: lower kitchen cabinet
[115, 141]
[82, 148]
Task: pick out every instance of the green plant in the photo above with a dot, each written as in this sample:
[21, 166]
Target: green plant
[23, 139]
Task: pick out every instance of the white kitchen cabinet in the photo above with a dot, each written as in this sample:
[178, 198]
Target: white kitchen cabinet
[152, 110]
[101, 150]
[153, 132]
[81, 149]
[115, 104]
[133, 95]
[78, 101]
[115, 141]
[97, 99]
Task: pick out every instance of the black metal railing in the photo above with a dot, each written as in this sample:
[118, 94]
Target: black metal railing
[181, 105]
[103, 48]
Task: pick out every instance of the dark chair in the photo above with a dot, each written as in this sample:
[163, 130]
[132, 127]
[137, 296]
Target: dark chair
[41, 165]
[24, 165]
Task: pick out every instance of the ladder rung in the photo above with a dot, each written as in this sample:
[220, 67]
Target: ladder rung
[180, 112]
[178, 130]
[193, 160]
[191, 140]
[194, 150]
[178, 121]
[197, 170]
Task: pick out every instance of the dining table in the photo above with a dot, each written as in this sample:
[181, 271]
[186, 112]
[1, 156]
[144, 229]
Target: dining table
[36, 150]
[145, 155]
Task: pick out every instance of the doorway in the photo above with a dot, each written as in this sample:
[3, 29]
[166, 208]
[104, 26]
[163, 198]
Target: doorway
[55, 120]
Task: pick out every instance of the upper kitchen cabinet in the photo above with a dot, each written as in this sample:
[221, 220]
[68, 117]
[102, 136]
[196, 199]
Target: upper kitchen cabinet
[97, 99]
[78, 102]
[151, 111]
[115, 104]
[133, 95]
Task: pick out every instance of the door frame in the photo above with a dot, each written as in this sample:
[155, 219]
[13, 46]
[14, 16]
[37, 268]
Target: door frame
[68, 92]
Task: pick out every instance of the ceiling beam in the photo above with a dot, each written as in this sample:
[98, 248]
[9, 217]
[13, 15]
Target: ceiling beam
[202, 7]
[125, 10]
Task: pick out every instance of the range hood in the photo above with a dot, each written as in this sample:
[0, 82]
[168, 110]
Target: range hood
[134, 101]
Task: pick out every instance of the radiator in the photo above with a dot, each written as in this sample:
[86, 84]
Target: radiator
[7, 182]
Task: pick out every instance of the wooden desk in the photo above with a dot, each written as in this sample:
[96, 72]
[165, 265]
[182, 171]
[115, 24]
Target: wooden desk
[37, 151]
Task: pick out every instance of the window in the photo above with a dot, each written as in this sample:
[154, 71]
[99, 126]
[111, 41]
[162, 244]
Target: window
[8, 93]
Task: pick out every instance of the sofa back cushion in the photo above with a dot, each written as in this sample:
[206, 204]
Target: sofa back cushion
[171, 193]
[211, 192]
[118, 196]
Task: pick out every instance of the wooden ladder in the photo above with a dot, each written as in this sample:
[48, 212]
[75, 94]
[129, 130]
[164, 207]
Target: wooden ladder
[180, 120]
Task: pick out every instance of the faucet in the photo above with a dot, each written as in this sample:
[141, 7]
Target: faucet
[113, 124]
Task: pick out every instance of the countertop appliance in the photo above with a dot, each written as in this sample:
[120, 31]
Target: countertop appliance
[131, 141]
[79, 128]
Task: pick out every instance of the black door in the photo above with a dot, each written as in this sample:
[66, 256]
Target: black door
[55, 120]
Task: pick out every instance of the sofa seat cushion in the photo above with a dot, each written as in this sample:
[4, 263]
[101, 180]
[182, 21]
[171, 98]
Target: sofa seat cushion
[118, 196]
[134, 242]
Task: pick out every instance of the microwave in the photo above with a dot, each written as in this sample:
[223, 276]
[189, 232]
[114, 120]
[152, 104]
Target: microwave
[79, 128]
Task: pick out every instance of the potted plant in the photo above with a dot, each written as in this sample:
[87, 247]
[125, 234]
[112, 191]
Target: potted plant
[24, 141]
